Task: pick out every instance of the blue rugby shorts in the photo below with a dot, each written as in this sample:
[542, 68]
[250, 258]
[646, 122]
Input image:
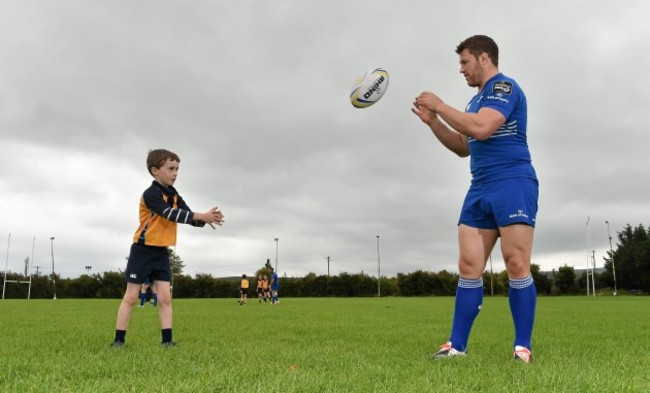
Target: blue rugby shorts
[501, 203]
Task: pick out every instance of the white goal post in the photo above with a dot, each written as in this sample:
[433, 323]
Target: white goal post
[29, 270]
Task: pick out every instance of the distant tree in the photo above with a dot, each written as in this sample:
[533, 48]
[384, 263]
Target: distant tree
[389, 286]
[542, 283]
[204, 286]
[503, 282]
[565, 280]
[175, 262]
[424, 283]
[111, 285]
[81, 287]
[448, 282]
[183, 286]
[491, 283]
[362, 284]
[291, 287]
[632, 259]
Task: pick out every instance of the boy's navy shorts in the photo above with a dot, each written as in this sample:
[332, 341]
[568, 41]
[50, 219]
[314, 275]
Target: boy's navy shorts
[147, 263]
[501, 203]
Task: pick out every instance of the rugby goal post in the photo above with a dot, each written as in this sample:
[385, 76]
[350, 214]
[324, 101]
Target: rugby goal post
[29, 270]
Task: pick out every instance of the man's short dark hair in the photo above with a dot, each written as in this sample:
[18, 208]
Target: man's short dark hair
[479, 44]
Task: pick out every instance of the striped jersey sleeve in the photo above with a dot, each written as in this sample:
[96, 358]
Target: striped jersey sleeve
[168, 205]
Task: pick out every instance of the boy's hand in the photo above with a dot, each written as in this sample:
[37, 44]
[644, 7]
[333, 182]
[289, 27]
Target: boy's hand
[212, 216]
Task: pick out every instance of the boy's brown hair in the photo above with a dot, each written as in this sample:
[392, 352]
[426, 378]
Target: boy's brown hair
[158, 157]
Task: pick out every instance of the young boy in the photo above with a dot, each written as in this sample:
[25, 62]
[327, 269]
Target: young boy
[260, 291]
[161, 208]
[243, 290]
[265, 288]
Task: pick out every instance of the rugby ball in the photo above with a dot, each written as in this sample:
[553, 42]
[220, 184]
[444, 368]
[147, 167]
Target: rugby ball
[369, 88]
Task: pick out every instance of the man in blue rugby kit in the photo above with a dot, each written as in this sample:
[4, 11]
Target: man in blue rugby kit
[275, 287]
[502, 198]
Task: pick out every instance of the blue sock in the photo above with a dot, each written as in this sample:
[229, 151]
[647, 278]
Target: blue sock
[469, 298]
[143, 297]
[523, 299]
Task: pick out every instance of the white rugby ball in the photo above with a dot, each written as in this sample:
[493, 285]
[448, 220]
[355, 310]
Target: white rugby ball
[369, 87]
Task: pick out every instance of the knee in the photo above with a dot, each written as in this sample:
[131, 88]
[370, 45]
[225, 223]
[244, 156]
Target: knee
[164, 300]
[517, 267]
[470, 269]
[131, 298]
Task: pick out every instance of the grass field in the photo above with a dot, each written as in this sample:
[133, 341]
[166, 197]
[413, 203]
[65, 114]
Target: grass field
[322, 345]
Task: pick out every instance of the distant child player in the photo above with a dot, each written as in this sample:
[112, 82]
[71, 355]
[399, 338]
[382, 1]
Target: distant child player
[265, 288]
[161, 208]
[143, 293]
[260, 291]
[243, 290]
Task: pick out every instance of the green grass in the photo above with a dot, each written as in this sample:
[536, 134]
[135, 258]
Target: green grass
[322, 345]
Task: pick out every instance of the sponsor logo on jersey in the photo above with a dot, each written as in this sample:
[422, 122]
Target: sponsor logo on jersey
[520, 213]
[502, 87]
[498, 97]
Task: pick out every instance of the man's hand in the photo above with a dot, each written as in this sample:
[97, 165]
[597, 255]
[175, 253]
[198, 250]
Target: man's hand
[425, 106]
[428, 100]
[423, 113]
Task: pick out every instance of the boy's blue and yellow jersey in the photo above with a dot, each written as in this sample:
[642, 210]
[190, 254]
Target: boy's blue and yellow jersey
[505, 153]
[244, 283]
[161, 208]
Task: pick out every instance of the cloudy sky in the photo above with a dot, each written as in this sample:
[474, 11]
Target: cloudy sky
[253, 96]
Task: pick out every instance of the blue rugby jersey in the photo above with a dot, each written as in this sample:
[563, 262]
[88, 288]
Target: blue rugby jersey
[505, 153]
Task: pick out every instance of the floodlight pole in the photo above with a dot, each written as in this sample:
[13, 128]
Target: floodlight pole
[378, 270]
[328, 267]
[588, 253]
[593, 272]
[31, 263]
[53, 275]
[611, 252]
[276, 253]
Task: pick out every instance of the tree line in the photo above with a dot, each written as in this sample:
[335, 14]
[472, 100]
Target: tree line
[631, 259]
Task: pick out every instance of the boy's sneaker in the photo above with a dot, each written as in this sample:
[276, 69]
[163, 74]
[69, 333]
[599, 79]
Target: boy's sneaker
[169, 344]
[446, 351]
[117, 344]
[523, 354]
